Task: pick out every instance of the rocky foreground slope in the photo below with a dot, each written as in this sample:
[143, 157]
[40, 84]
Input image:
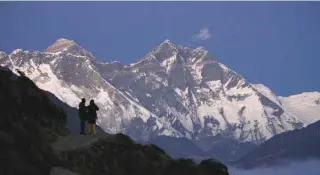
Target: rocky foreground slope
[35, 140]
[29, 123]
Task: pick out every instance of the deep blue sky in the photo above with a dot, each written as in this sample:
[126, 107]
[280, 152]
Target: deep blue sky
[273, 43]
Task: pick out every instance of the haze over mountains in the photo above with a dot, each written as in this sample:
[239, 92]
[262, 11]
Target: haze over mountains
[173, 91]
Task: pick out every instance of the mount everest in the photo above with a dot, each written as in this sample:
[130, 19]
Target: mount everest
[172, 91]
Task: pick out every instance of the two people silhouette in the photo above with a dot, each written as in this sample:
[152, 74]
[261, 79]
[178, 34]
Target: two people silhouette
[89, 114]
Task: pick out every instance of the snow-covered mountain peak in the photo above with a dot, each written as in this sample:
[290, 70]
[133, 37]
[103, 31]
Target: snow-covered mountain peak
[305, 95]
[305, 106]
[64, 40]
[198, 95]
[16, 51]
[2, 54]
[200, 49]
[168, 42]
[66, 46]
[310, 99]
[165, 45]
[59, 45]
[164, 50]
[174, 90]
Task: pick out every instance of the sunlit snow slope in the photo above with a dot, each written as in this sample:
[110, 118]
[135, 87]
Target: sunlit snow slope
[305, 106]
[173, 91]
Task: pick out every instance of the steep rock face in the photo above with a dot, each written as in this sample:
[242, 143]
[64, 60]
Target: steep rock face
[198, 95]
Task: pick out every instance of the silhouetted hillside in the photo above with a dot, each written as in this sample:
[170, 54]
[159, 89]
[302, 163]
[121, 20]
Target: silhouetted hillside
[118, 154]
[29, 122]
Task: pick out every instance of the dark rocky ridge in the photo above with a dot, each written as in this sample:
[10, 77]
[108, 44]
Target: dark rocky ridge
[120, 155]
[29, 122]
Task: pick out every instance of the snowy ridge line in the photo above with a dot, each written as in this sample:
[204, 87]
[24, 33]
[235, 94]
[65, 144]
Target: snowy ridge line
[304, 106]
[203, 97]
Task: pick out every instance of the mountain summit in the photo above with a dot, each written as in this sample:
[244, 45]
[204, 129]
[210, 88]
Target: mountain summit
[63, 45]
[172, 91]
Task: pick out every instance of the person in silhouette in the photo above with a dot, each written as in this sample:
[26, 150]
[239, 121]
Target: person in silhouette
[92, 113]
[82, 115]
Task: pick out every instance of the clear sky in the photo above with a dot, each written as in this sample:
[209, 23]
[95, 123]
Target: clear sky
[273, 43]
